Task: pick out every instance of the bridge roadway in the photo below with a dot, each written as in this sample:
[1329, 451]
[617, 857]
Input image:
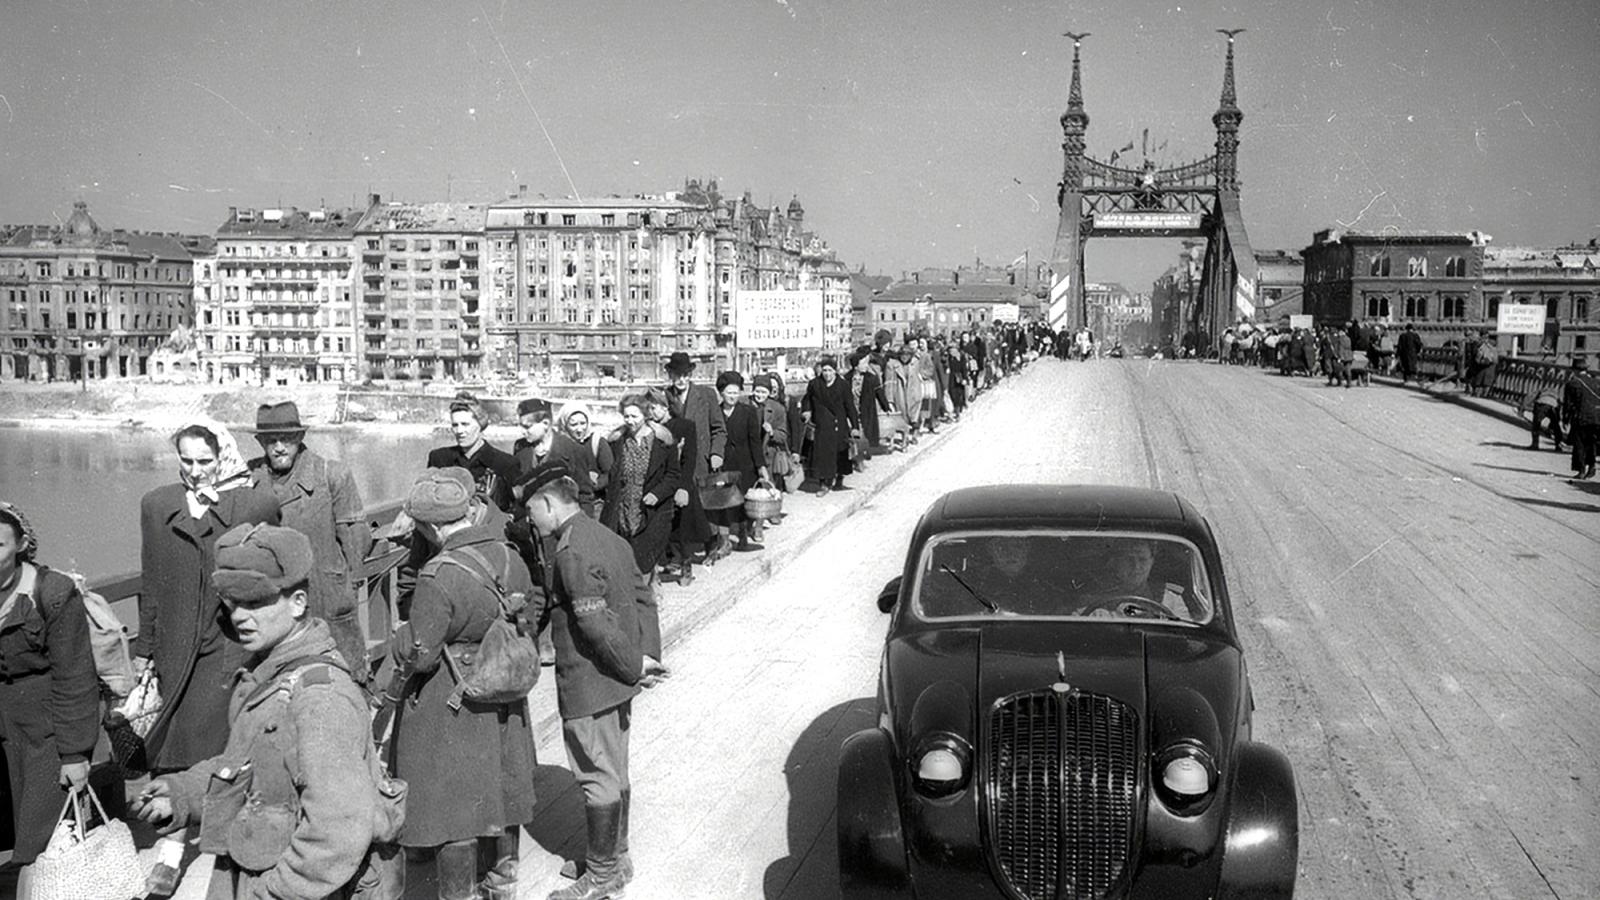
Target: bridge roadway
[1417, 597]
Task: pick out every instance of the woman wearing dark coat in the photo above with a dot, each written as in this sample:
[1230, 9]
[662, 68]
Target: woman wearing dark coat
[49, 697]
[689, 526]
[745, 454]
[866, 391]
[831, 411]
[644, 477]
[183, 630]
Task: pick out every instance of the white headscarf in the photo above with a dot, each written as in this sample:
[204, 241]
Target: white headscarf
[232, 471]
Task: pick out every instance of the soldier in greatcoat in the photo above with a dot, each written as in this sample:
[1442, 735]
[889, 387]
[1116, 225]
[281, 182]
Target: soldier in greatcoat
[318, 497]
[608, 645]
[470, 769]
[291, 805]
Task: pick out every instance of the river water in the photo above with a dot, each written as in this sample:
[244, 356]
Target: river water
[80, 488]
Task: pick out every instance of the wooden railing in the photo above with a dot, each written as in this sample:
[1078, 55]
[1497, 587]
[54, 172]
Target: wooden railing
[377, 601]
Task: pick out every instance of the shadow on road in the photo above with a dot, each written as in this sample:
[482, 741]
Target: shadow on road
[1555, 504]
[1517, 469]
[811, 867]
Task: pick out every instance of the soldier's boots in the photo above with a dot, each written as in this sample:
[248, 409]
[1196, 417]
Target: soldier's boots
[603, 877]
[501, 881]
[572, 869]
[456, 865]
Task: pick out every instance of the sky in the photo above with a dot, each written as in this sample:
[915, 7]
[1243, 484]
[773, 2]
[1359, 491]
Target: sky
[915, 132]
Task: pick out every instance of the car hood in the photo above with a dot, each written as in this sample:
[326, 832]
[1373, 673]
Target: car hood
[1180, 682]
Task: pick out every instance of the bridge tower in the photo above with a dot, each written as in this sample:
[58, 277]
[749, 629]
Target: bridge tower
[1196, 199]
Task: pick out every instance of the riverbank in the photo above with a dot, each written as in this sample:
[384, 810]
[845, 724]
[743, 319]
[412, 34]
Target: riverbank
[137, 404]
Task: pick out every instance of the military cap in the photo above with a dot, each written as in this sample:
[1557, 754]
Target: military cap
[533, 405]
[440, 495]
[539, 476]
[256, 562]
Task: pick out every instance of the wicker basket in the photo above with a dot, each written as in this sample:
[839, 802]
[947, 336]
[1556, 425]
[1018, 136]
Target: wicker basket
[763, 509]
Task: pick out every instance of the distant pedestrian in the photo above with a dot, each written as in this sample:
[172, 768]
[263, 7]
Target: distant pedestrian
[492, 469]
[1342, 354]
[690, 529]
[1580, 406]
[608, 647]
[318, 497]
[542, 442]
[576, 420]
[49, 698]
[866, 389]
[1408, 351]
[830, 410]
[1543, 405]
[1486, 367]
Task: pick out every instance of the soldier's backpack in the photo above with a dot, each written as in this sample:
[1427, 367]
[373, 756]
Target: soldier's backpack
[505, 667]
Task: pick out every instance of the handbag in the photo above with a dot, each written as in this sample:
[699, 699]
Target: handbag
[720, 490]
[127, 724]
[143, 707]
[82, 863]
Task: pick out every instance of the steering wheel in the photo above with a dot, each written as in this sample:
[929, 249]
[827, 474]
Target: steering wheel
[1131, 605]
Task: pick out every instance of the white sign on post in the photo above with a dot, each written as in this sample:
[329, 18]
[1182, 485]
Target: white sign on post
[1517, 319]
[1300, 321]
[1007, 312]
[778, 320]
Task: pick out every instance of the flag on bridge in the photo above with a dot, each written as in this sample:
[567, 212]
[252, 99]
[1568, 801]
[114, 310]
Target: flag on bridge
[1019, 261]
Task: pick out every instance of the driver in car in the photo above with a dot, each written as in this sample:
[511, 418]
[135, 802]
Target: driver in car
[999, 575]
[1126, 578]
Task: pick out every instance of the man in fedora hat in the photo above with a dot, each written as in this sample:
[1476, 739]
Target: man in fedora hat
[318, 498]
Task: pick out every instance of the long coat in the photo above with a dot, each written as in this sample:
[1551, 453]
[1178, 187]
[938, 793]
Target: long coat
[775, 443]
[661, 478]
[318, 497]
[872, 400]
[49, 701]
[833, 414]
[904, 390]
[699, 406]
[689, 524]
[470, 770]
[182, 625]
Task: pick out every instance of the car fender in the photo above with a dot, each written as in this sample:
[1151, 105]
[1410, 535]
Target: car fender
[872, 842]
[1262, 849]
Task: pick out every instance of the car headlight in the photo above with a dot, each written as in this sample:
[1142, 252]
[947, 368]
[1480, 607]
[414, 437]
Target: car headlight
[940, 765]
[1186, 777]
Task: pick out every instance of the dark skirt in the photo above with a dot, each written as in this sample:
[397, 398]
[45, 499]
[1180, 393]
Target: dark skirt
[689, 525]
[650, 544]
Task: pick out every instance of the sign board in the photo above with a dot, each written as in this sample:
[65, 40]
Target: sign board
[1298, 321]
[1006, 312]
[1516, 319]
[778, 320]
[1146, 221]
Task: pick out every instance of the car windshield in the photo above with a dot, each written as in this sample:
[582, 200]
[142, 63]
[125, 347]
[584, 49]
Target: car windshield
[1060, 574]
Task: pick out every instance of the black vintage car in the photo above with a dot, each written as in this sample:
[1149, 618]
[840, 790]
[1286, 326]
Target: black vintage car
[1063, 712]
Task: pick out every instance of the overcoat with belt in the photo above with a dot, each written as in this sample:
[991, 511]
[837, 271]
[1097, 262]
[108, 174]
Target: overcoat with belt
[470, 770]
[699, 405]
[182, 625]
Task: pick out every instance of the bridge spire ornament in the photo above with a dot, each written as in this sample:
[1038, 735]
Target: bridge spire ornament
[1227, 119]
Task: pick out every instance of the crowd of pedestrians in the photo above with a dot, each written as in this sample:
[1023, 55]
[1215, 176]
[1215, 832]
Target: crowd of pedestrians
[308, 769]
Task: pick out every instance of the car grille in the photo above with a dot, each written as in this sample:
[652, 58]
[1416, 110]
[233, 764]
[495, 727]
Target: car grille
[1062, 770]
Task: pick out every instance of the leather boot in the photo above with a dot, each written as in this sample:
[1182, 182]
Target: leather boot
[624, 858]
[602, 877]
[456, 865]
[501, 881]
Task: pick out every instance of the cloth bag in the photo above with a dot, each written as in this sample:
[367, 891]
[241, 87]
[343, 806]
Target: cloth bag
[83, 863]
[128, 723]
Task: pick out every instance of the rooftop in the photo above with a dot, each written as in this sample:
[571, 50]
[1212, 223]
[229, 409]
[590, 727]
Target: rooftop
[274, 222]
[443, 217]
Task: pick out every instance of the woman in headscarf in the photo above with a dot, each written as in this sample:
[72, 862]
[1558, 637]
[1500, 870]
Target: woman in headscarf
[764, 393]
[49, 698]
[644, 476]
[829, 408]
[744, 455]
[184, 631]
[929, 370]
[903, 388]
[575, 420]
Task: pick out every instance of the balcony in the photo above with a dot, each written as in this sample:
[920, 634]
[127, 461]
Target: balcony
[471, 352]
[378, 297]
[263, 328]
[284, 302]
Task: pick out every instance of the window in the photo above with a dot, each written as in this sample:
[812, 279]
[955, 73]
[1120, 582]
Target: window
[608, 219]
[1417, 267]
[1377, 306]
[1380, 265]
[1580, 308]
[569, 219]
[1455, 267]
[1416, 306]
[1493, 310]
